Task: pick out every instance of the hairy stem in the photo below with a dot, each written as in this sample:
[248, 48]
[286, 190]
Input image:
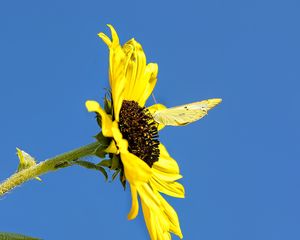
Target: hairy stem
[46, 166]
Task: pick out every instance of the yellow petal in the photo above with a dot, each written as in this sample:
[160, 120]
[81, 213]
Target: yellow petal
[135, 203]
[173, 189]
[118, 65]
[157, 222]
[166, 176]
[172, 216]
[140, 78]
[148, 196]
[160, 217]
[112, 148]
[167, 236]
[149, 220]
[93, 106]
[163, 151]
[136, 170]
[166, 163]
[130, 74]
[150, 76]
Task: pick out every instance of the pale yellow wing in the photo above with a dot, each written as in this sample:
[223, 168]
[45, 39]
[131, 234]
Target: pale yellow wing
[185, 114]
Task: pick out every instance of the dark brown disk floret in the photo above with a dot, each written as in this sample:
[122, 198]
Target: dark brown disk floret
[140, 130]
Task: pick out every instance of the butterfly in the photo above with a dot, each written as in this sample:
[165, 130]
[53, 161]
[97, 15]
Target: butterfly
[185, 114]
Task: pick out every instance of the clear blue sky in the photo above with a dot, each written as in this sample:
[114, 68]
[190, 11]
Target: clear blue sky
[240, 164]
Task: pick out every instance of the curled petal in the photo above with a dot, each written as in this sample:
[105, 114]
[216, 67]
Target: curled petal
[114, 35]
[118, 61]
[105, 39]
[93, 106]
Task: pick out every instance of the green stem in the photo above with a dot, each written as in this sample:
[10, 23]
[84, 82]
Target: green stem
[46, 166]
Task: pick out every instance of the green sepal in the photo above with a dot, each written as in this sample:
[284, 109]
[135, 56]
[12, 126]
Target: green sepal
[107, 105]
[90, 165]
[103, 140]
[123, 180]
[100, 152]
[15, 236]
[25, 161]
[105, 163]
[115, 162]
[115, 174]
[99, 119]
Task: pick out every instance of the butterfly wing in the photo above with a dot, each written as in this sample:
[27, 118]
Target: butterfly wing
[185, 114]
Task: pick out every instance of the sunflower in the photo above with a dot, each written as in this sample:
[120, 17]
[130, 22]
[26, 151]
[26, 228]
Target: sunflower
[146, 164]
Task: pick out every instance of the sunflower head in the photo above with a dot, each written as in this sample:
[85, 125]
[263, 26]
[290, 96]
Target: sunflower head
[140, 130]
[131, 133]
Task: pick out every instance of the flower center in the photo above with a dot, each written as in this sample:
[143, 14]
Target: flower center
[140, 130]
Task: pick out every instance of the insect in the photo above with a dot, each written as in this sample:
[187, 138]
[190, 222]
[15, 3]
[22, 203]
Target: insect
[185, 114]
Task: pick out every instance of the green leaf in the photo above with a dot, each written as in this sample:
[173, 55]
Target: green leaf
[90, 165]
[15, 236]
[25, 161]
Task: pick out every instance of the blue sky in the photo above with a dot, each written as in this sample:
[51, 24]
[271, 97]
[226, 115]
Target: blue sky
[240, 163]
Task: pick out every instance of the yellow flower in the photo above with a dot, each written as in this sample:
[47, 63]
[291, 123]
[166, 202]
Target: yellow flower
[148, 167]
